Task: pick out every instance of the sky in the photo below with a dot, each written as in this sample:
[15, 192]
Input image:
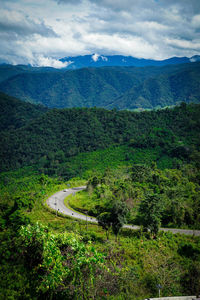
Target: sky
[39, 32]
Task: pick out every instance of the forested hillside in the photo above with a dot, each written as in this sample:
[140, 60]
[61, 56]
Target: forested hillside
[15, 113]
[163, 90]
[108, 87]
[80, 88]
[7, 71]
[59, 134]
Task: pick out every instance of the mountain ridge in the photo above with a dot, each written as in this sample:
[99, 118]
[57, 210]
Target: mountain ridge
[109, 87]
[96, 60]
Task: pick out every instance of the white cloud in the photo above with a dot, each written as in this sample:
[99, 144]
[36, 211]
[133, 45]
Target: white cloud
[196, 21]
[41, 61]
[22, 25]
[183, 44]
[104, 58]
[95, 57]
[127, 45]
[41, 31]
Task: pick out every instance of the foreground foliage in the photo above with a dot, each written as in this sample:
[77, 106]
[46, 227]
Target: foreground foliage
[66, 259]
[64, 266]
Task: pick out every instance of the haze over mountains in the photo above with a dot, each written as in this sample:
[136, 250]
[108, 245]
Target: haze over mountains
[146, 84]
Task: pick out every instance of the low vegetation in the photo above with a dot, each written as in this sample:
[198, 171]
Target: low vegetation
[172, 195]
[144, 170]
[130, 266]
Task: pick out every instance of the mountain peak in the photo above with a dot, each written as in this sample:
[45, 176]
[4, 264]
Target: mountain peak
[98, 60]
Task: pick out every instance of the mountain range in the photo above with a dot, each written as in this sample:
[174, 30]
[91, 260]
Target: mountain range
[120, 87]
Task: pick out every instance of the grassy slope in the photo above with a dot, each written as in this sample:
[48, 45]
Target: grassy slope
[115, 156]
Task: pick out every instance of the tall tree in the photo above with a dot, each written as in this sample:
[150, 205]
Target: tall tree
[115, 217]
[150, 213]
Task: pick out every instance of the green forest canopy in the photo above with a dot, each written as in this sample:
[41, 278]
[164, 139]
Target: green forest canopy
[51, 138]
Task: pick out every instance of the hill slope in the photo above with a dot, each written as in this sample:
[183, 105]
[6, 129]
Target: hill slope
[15, 113]
[111, 87]
[59, 134]
[163, 90]
[82, 88]
[7, 71]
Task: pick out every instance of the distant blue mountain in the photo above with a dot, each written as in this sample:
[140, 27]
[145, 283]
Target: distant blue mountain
[96, 60]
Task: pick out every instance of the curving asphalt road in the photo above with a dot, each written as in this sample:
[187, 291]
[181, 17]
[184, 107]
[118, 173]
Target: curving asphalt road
[56, 202]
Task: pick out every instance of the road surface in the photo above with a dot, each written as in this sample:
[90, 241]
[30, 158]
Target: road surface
[56, 202]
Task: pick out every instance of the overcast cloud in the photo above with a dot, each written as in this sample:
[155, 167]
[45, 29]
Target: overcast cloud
[40, 32]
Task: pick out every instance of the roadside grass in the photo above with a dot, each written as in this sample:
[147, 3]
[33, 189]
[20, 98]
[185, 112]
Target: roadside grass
[29, 187]
[41, 212]
[76, 182]
[80, 202]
